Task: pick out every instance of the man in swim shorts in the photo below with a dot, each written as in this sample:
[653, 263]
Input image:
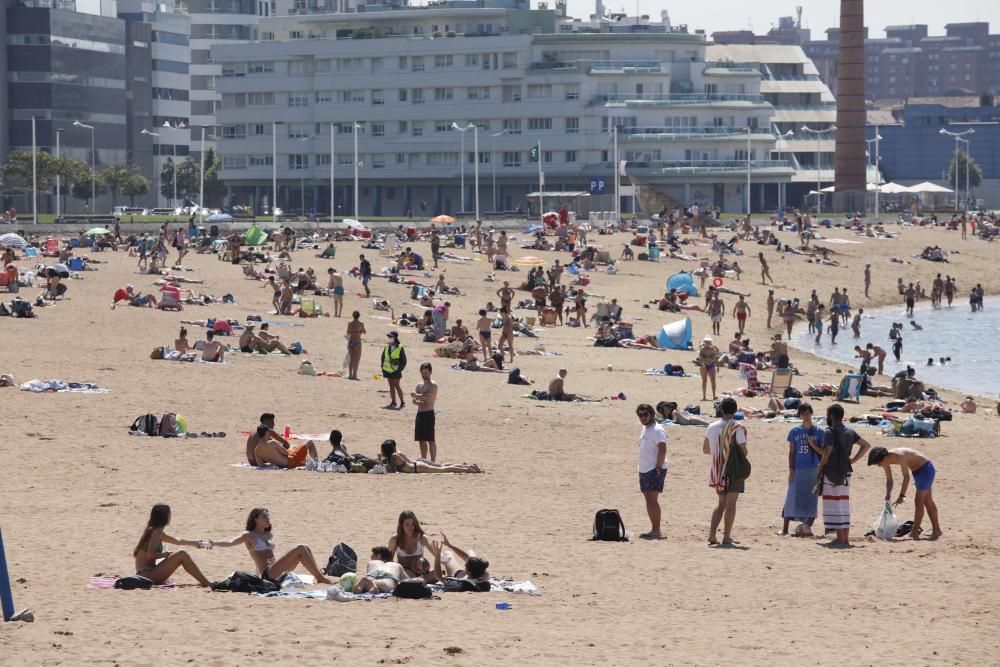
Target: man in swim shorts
[335, 287]
[270, 448]
[716, 310]
[424, 397]
[365, 269]
[910, 461]
[741, 311]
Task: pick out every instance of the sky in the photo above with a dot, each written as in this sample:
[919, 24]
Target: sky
[715, 15]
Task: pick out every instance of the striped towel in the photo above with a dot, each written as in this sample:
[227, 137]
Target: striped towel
[836, 505]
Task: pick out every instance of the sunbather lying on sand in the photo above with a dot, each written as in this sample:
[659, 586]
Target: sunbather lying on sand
[398, 462]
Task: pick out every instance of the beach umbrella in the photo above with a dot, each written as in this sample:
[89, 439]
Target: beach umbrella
[529, 260]
[219, 217]
[442, 218]
[97, 231]
[532, 229]
[12, 241]
[675, 336]
[353, 224]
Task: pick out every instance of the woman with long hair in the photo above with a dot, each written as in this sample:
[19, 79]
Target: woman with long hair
[409, 541]
[396, 461]
[259, 542]
[149, 550]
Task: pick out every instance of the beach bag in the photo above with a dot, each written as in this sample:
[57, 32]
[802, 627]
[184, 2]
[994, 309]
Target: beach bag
[134, 582]
[514, 377]
[692, 409]
[737, 465]
[609, 527]
[413, 589]
[367, 462]
[341, 561]
[886, 524]
[244, 582]
[456, 585]
[168, 425]
[921, 428]
[306, 368]
[147, 425]
[21, 308]
[792, 392]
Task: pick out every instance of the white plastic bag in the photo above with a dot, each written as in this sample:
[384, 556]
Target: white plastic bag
[886, 524]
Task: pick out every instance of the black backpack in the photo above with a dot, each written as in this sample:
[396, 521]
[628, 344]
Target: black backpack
[244, 582]
[147, 424]
[609, 527]
[342, 560]
[134, 582]
[413, 589]
[456, 585]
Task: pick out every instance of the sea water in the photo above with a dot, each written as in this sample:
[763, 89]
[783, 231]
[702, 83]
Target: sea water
[972, 340]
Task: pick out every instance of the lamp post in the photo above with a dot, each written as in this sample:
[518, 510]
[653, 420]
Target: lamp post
[34, 174]
[93, 163]
[333, 161]
[475, 151]
[819, 185]
[59, 132]
[201, 193]
[493, 161]
[156, 190]
[357, 126]
[302, 179]
[618, 198]
[178, 126]
[878, 174]
[749, 131]
[274, 170]
[958, 137]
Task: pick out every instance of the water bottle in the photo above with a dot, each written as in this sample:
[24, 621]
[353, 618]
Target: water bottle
[288, 432]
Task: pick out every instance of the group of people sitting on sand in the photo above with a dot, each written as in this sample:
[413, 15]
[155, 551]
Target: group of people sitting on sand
[404, 558]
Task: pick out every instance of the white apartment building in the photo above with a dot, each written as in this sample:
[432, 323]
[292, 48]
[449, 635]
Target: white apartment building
[399, 80]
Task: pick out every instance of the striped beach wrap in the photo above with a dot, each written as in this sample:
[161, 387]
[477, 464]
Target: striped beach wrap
[836, 504]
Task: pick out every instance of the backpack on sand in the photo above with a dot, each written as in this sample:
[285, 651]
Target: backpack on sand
[244, 582]
[168, 425]
[609, 527]
[413, 589]
[342, 560]
[147, 425]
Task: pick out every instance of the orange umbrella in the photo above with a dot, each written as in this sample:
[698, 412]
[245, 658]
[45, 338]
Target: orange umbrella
[529, 260]
[442, 218]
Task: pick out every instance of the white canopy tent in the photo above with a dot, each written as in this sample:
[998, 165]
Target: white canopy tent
[929, 188]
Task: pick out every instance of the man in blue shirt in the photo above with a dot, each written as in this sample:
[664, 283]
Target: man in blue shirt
[805, 449]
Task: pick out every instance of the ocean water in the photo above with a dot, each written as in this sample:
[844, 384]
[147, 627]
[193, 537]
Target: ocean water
[972, 340]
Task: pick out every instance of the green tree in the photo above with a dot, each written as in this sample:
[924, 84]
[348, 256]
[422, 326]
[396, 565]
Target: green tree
[962, 161]
[188, 178]
[167, 179]
[17, 172]
[215, 190]
[136, 186]
[115, 177]
[81, 180]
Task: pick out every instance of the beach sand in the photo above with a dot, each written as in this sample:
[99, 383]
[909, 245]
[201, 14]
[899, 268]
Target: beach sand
[76, 489]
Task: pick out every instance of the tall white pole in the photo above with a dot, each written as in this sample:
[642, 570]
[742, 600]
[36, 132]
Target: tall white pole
[174, 200]
[274, 172]
[968, 157]
[93, 173]
[493, 164]
[58, 177]
[333, 161]
[878, 176]
[475, 150]
[541, 187]
[201, 193]
[956, 173]
[34, 174]
[819, 174]
[356, 214]
[748, 170]
[614, 135]
[462, 169]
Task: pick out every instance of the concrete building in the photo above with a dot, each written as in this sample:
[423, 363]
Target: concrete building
[404, 76]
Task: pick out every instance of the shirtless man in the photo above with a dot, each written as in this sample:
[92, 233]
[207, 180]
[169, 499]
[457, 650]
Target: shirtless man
[251, 342]
[779, 349]
[716, 310]
[856, 323]
[910, 460]
[770, 306]
[540, 293]
[265, 446]
[506, 333]
[424, 397]
[335, 287]
[285, 299]
[741, 311]
[485, 335]
[213, 351]
[879, 353]
[868, 278]
[271, 340]
[557, 298]
[459, 331]
[382, 576]
[506, 295]
[557, 388]
[765, 271]
[355, 329]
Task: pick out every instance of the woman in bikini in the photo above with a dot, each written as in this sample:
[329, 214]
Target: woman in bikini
[355, 329]
[258, 541]
[708, 360]
[149, 550]
[409, 542]
[181, 343]
[398, 462]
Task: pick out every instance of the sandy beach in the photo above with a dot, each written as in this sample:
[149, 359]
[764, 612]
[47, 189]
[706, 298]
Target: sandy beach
[76, 489]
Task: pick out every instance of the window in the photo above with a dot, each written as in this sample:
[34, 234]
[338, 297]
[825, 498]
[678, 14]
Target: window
[260, 67]
[377, 97]
[260, 129]
[486, 61]
[352, 97]
[478, 92]
[298, 161]
[509, 60]
[538, 91]
[297, 100]
[418, 96]
[323, 160]
[300, 67]
[403, 129]
[443, 94]
[512, 93]
[234, 131]
[234, 162]
[711, 89]
[260, 99]
[511, 158]
[536, 124]
[572, 125]
[378, 161]
[484, 157]
[260, 161]
[546, 156]
[400, 158]
[443, 61]
[570, 156]
[417, 63]
[417, 129]
[402, 94]
[169, 66]
[513, 126]
[378, 129]
[442, 126]
[572, 91]
[402, 62]
[299, 130]
[324, 97]
[472, 60]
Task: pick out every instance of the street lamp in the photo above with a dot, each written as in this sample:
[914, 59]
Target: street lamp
[958, 137]
[201, 193]
[878, 174]
[274, 170]
[357, 126]
[178, 126]
[59, 132]
[493, 161]
[93, 161]
[782, 187]
[34, 174]
[333, 160]
[302, 178]
[749, 131]
[819, 185]
[156, 189]
[475, 151]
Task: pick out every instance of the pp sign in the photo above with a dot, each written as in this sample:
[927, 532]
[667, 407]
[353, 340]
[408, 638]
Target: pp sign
[598, 186]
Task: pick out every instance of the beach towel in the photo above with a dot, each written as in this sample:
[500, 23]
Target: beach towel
[46, 386]
[335, 592]
[800, 503]
[836, 504]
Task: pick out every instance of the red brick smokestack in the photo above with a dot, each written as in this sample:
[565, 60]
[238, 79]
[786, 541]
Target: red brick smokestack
[849, 159]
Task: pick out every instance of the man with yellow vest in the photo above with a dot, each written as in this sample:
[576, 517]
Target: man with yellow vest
[393, 363]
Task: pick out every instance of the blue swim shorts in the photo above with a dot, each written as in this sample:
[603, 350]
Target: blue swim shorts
[652, 480]
[923, 477]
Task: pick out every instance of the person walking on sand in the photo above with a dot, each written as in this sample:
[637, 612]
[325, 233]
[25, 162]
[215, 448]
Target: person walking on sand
[805, 448]
[716, 311]
[835, 471]
[506, 333]
[708, 361]
[393, 364]
[653, 467]
[365, 270]
[770, 306]
[910, 461]
[741, 311]
[720, 438]
[424, 397]
[765, 271]
[355, 329]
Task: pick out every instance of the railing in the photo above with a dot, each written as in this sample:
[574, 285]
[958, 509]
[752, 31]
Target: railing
[689, 131]
[739, 67]
[599, 65]
[792, 77]
[706, 166]
[675, 99]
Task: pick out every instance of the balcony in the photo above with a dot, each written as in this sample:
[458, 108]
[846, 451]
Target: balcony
[726, 67]
[710, 168]
[673, 100]
[690, 133]
[598, 66]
